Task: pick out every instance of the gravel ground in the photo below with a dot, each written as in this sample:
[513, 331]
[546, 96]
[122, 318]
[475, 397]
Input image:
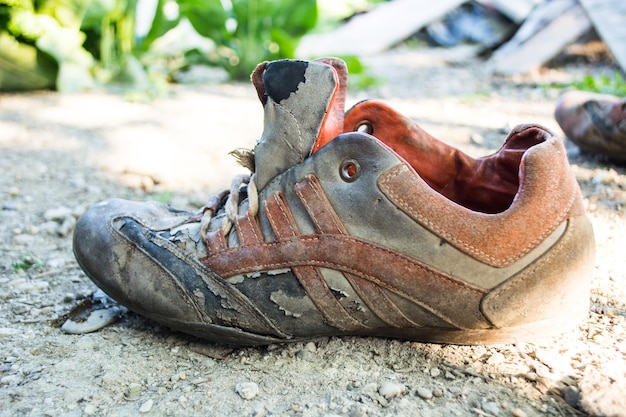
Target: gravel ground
[60, 154]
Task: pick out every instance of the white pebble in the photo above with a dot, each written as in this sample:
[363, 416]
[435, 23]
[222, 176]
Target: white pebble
[425, 393]
[97, 319]
[23, 240]
[7, 331]
[247, 390]
[133, 391]
[496, 359]
[146, 407]
[390, 389]
[491, 408]
[57, 214]
[11, 379]
[435, 372]
[90, 409]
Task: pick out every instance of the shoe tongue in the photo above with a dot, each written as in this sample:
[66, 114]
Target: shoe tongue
[304, 107]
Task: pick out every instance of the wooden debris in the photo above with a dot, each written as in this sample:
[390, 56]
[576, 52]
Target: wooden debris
[547, 30]
[516, 10]
[376, 31]
[609, 20]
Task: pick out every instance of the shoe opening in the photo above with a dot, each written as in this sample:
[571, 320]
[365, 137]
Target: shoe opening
[488, 184]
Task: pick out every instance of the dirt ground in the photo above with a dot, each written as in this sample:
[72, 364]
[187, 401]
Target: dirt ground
[59, 154]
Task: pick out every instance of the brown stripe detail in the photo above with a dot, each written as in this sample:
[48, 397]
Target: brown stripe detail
[248, 230]
[326, 220]
[452, 300]
[378, 302]
[280, 217]
[282, 221]
[216, 242]
[319, 208]
[547, 196]
[315, 285]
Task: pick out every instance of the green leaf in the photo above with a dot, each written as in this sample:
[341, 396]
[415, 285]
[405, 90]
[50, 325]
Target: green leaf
[207, 17]
[297, 17]
[95, 11]
[23, 67]
[160, 26]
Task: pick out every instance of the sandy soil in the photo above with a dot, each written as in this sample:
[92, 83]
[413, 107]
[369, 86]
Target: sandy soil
[60, 154]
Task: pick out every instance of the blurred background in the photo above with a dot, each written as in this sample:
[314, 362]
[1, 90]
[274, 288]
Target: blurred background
[143, 45]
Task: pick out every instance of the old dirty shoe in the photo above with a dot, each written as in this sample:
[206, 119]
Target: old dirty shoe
[596, 123]
[356, 224]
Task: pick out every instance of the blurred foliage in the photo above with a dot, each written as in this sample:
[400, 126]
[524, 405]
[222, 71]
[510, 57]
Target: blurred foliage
[26, 263]
[74, 45]
[360, 77]
[70, 44]
[247, 32]
[600, 83]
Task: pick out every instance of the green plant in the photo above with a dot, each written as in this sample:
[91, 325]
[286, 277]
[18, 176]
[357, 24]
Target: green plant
[360, 78]
[70, 44]
[25, 263]
[164, 197]
[245, 32]
[599, 83]
[41, 44]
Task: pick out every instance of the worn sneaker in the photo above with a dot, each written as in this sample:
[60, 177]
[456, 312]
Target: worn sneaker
[594, 122]
[381, 231]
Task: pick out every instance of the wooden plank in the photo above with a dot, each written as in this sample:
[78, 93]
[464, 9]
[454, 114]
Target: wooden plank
[516, 10]
[376, 31]
[609, 20]
[547, 30]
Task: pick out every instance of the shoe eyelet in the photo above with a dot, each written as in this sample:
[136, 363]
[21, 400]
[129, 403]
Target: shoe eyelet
[349, 170]
[364, 126]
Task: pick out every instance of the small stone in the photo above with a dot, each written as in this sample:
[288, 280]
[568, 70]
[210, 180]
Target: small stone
[69, 297]
[32, 286]
[24, 240]
[571, 395]
[390, 389]
[310, 346]
[491, 407]
[90, 409]
[11, 379]
[66, 227]
[305, 355]
[495, 359]
[517, 412]
[133, 391]
[13, 191]
[435, 372]
[146, 407]
[96, 320]
[7, 331]
[358, 410]
[57, 214]
[438, 392]
[531, 376]
[247, 390]
[425, 393]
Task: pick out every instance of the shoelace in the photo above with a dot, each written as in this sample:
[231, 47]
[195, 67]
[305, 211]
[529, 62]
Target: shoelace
[231, 206]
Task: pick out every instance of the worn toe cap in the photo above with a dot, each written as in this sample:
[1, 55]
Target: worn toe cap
[108, 248]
